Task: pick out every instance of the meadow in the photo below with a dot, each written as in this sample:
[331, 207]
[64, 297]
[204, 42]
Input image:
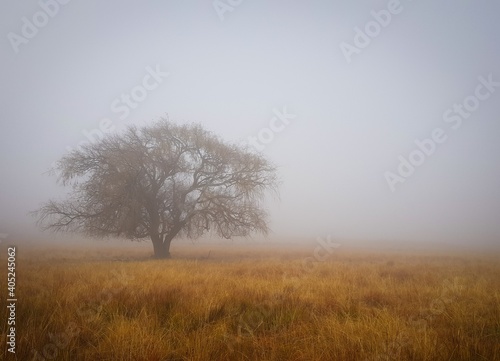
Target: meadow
[252, 303]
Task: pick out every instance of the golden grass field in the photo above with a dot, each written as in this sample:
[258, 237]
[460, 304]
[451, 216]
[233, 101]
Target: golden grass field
[252, 303]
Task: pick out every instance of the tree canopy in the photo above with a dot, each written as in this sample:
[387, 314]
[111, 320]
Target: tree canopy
[161, 181]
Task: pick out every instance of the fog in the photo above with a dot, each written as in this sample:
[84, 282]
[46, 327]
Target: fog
[382, 116]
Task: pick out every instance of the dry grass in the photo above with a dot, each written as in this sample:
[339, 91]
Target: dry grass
[253, 304]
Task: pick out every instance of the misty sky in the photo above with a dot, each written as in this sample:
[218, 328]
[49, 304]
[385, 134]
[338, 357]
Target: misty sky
[355, 103]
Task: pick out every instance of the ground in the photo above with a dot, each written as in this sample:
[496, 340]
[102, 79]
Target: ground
[254, 302]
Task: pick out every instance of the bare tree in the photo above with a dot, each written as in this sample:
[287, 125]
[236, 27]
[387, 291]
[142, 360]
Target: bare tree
[159, 182]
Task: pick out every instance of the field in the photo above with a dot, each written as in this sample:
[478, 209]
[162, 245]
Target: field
[252, 303]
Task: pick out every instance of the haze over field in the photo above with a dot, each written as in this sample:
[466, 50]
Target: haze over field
[383, 117]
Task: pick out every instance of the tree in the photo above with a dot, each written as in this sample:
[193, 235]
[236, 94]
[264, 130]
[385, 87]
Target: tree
[161, 181]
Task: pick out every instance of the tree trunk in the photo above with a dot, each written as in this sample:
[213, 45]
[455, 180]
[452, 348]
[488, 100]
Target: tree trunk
[161, 246]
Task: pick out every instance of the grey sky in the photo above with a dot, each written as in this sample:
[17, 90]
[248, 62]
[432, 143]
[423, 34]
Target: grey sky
[352, 119]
